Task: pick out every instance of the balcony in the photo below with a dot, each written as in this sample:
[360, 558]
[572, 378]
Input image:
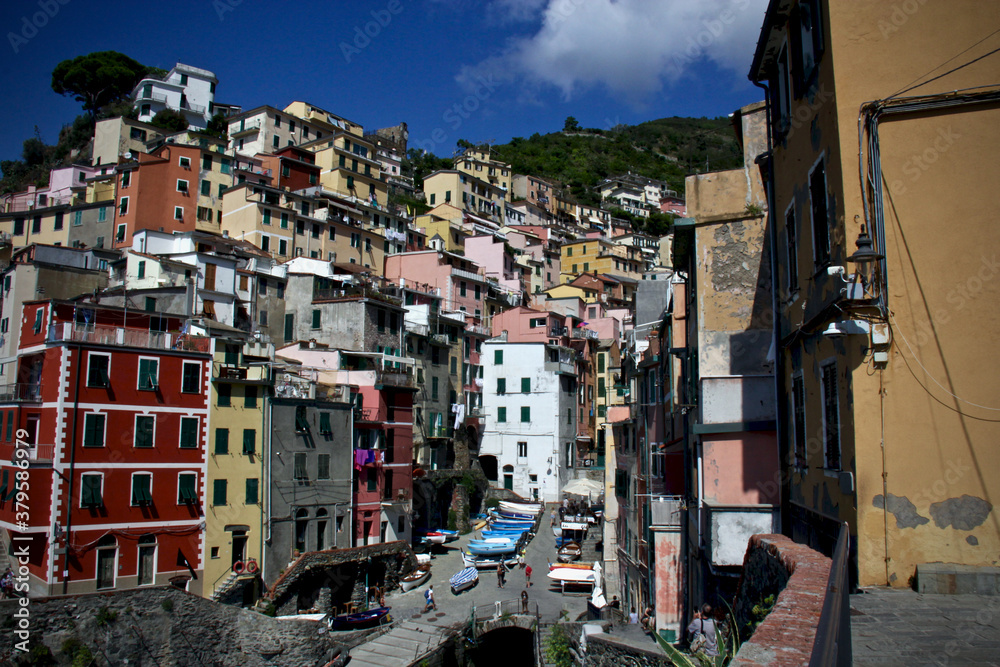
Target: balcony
[665, 511]
[246, 130]
[438, 432]
[394, 378]
[468, 275]
[105, 335]
[584, 333]
[366, 415]
[194, 108]
[440, 339]
[21, 392]
[151, 97]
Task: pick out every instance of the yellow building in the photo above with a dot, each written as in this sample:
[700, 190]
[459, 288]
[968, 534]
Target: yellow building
[349, 167]
[888, 310]
[236, 488]
[477, 162]
[287, 225]
[602, 256]
[323, 119]
[471, 194]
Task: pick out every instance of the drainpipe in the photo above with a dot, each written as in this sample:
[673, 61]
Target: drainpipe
[266, 472]
[265, 426]
[72, 462]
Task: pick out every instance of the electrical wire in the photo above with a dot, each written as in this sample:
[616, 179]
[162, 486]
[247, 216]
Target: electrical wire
[928, 373]
[911, 87]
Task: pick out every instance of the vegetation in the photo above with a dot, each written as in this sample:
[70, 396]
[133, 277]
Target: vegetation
[78, 653]
[557, 648]
[106, 616]
[419, 163]
[167, 605]
[170, 120]
[98, 78]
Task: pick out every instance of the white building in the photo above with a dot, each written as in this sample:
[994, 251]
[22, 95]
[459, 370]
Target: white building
[187, 89]
[265, 129]
[528, 398]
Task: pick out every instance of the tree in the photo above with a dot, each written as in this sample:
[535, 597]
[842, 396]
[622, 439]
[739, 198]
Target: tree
[571, 125]
[170, 120]
[98, 78]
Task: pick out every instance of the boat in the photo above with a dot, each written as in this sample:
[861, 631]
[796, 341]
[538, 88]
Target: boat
[449, 535]
[513, 525]
[423, 559]
[569, 552]
[464, 580]
[574, 566]
[415, 578]
[528, 508]
[510, 534]
[491, 549]
[567, 577]
[507, 515]
[487, 562]
[358, 620]
[503, 539]
[434, 537]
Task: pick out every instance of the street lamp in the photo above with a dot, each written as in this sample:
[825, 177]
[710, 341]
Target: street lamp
[865, 257]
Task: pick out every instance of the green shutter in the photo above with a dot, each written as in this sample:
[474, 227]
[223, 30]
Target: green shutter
[90, 491]
[324, 423]
[250, 396]
[301, 421]
[372, 480]
[219, 492]
[300, 467]
[186, 492]
[189, 432]
[252, 492]
[249, 441]
[501, 385]
[315, 318]
[147, 373]
[222, 441]
[144, 431]
[140, 490]
[323, 468]
[525, 414]
[10, 425]
[206, 188]
[3, 484]
[93, 430]
[525, 385]
[501, 414]
[497, 356]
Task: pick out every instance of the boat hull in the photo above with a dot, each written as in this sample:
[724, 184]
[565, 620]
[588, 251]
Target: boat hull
[361, 619]
[486, 562]
[526, 508]
[410, 582]
[464, 580]
[491, 549]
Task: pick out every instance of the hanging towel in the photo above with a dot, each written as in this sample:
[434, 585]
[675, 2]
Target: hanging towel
[359, 459]
[379, 457]
[369, 457]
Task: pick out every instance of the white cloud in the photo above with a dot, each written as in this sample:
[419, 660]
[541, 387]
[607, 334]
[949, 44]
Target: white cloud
[631, 47]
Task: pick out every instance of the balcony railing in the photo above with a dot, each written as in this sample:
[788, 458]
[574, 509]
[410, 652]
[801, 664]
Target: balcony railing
[366, 414]
[441, 339]
[105, 335]
[246, 129]
[196, 108]
[437, 432]
[21, 392]
[394, 378]
[162, 99]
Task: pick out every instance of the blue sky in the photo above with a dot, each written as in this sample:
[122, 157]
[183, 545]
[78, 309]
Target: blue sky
[451, 69]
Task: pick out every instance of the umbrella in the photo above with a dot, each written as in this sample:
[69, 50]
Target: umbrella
[583, 487]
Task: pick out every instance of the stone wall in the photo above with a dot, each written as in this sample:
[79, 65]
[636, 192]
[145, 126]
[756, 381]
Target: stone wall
[798, 577]
[328, 579]
[168, 626]
[610, 651]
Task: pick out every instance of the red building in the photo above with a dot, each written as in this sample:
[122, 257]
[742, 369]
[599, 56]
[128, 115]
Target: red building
[383, 478]
[295, 168]
[111, 408]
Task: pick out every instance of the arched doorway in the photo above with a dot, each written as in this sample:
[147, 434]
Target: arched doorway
[107, 557]
[490, 466]
[147, 560]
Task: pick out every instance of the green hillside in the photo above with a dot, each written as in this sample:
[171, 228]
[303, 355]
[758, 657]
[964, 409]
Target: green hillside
[667, 149]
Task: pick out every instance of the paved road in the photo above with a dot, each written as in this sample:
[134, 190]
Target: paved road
[454, 608]
[892, 627]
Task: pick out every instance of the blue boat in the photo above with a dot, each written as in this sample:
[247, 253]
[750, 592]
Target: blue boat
[464, 580]
[358, 620]
[512, 534]
[491, 548]
[507, 515]
[511, 525]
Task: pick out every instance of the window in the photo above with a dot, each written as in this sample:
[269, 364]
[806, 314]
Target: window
[497, 356]
[39, 315]
[434, 388]
[831, 417]
[178, 212]
[282, 247]
[601, 389]
[222, 441]
[301, 422]
[18, 226]
[142, 485]
[250, 396]
[191, 378]
[525, 385]
[182, 186]
[144, 425]
[189, 432]
[150, 304]
[501, 414]
[316, 314]
[525, 413]
[219, 489]
[97, 369]
[93, 429]
[225, 395]
[91, 490]
[224, 165]
[793, 248]
[820, 220]
[249, 441]
[324, 423]
[799, 420]
[120, 234]
[122, 207]
[206, 188]
[372, 480]
[462, 288]
[781, 89]
[522, 450]
[58, 224]
[187, 483]
[142, 269]
[252, 491]
[323, 467]
[809, 40]
[267, 216]
[265, 243]
[300, 472]
[501, 385]
[148, 369]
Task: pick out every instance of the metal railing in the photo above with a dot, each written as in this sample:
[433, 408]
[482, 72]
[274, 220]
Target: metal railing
[21, 392]
[500, 608]
[366, 414]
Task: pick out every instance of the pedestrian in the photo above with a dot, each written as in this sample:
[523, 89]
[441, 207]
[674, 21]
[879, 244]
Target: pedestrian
[615, 602]
[553, 522]
[527, 575]
[524, 602]
[633, 618]
[429, 596]
[647, 620]
[701, 633]
[500, 574]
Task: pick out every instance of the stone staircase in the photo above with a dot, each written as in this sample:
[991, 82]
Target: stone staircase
[544, 632]
[5, 561]
[588, 550]
[404, 645]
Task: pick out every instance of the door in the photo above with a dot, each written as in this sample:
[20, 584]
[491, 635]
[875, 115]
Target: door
[106, 568]
[147, 561]
[508, 481]
[320, 535]
[367, 528]
[239, 546]
[209, 277]
[384, 531]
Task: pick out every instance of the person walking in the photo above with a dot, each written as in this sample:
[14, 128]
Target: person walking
[633, 618]
[501, 571]
[527, 575]
[552, 523]
[429, 596]
[524, 602]
[702, 633]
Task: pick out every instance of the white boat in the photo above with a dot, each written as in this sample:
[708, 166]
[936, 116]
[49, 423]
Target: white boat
[464, 580]
[487, 562]
[523, 508]
[423, 559]
[415, 578]
[566, 577]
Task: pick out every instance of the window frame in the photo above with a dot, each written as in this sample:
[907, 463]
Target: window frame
[156, 374]
[143, 502]
[184, 377]
[136, 431]
[104, 428]
[819, 260]
[828, 406]
[791, 248]
[100, 489]
[181, 432]
[91, 356]
[800, 454]
[180, 487]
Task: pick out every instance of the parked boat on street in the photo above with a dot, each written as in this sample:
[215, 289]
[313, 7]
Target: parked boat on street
[464, 580]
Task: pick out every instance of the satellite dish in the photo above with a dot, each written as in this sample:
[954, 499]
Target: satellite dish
[128, 155]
